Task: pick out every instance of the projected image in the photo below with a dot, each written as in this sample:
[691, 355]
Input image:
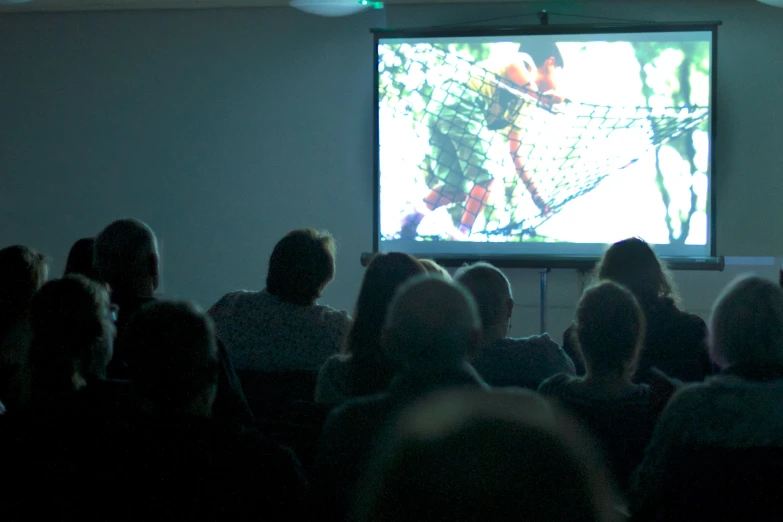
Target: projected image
[564, 140]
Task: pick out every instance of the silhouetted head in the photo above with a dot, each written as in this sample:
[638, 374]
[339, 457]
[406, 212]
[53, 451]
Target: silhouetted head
[173, 356]
[23, 271]
[81, 259]
[492, 292]
[73, 334]
[432, 323]
[433, 268]
[484, 457]
[384, 275]
[301, 265]
[747, 324]
[126, 257]
[610, 327]
[633, 264]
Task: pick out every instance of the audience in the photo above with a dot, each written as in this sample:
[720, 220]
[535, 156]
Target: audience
[81, 259]
[484, 457]
[22, 272]
[126, 257]
[433, 330]
[504, 361]
[617, 412]
[364, 368]
[717, 450]
[124, 406]
[675, 341]
[181, 463]
[282, 327]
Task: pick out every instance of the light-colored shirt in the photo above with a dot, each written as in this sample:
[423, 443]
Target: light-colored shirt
[264, 333]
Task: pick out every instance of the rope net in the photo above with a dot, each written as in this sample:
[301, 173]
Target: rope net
[503, 157]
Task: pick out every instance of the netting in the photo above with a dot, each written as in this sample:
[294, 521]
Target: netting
[533, 152]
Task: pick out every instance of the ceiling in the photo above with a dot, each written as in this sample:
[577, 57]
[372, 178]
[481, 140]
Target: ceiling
[90, 5]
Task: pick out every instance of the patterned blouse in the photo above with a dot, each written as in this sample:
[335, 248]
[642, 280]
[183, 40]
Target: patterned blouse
[264, 333]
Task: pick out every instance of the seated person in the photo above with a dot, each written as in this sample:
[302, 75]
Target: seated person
[282, 327]
[737, 412]
[22, 272]
[178, 461]
[432, 330]
[52, 438]
[675, 341]
[364, 368]
[617, 412]
[484, 457]
[504, 361]
[127, 259]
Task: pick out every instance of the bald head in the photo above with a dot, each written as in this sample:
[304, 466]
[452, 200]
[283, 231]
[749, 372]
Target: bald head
[492, 292]
[126, 257]
[432, 321]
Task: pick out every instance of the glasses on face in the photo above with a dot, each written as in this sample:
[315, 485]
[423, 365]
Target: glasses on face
[113, 312]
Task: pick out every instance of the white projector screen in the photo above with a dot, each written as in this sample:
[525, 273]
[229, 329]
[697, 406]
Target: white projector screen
[496, 143]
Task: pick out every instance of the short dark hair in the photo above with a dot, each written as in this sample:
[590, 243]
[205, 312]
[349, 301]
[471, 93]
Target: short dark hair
[541, 49]
[22, 272]
[172, 353]
[610, 327]
[301, 265]
[123, 250]
[81, 259]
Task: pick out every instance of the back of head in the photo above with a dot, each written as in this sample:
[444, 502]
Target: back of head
[633, 264]
[126, 255]
[486, 457]
[73, 335]
[22, 272]
[433, 268]
[610, 327]
[173, 357]
[301, 265]
[81, 259]
[491, 290]
[747, 324]
[432, 322]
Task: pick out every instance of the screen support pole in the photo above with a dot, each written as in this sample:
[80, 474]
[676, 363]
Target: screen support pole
[544, 272]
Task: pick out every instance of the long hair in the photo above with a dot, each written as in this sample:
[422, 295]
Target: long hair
[632, 263]
[371, 368]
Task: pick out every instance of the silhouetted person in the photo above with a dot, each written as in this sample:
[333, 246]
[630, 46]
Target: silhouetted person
[127, 258]
[504, 361]
[364, 368]
[81, 259]
[617, 412]
[282, 327]
[676, 341]
[484, 457]
[717, 450]
[432, 330]
[53, 440]
[23, 271]
[180, 462]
